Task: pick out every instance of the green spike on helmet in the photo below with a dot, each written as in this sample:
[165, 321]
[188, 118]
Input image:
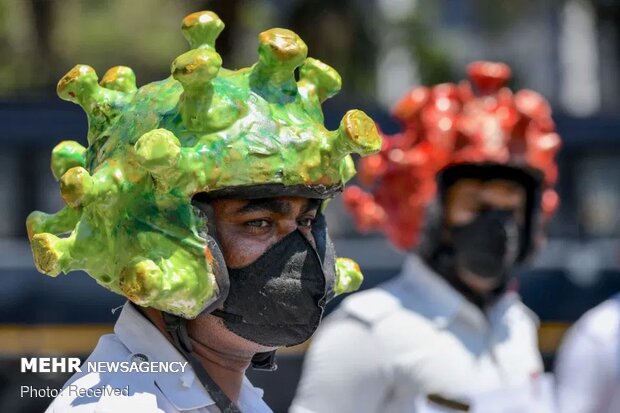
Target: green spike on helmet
[129, 218]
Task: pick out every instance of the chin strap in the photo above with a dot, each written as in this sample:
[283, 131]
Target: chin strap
[177, 327]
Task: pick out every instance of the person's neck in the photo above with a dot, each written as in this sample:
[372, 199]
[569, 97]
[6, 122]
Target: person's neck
[226, 368]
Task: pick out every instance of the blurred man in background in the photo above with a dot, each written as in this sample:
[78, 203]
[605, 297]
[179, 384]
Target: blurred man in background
[467, 188]
[588, 364]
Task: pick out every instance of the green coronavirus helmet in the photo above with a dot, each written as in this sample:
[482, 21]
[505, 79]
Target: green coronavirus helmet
[258, 131]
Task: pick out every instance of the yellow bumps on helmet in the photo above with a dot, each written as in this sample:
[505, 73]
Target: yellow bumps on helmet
[319, 79]
[357, 133]
[348, 276]
[158, 150]
[102, 105]
[78, 85]
[140, 280]
[75, 186]
[66, 155]
[47, 253]
[202, 28]
[119, 78]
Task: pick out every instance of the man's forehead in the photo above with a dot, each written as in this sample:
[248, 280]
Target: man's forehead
[499, 184]
[279, 205]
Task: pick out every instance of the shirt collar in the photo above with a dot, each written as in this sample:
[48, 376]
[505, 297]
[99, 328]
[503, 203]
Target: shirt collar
[183, 389]
[440, 302]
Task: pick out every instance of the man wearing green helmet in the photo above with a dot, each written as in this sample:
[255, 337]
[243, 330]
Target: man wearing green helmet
[200, 198]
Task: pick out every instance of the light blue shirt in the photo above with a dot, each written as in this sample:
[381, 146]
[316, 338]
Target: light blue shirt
[588, 363]
[136, 339]
[389, 348]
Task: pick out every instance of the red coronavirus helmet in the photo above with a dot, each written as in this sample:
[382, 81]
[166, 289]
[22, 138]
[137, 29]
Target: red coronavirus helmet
[479, 122]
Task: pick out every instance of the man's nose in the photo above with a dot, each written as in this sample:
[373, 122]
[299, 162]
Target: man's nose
[291, 225]
[285, 227]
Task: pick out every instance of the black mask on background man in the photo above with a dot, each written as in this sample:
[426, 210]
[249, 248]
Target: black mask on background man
[488, 246]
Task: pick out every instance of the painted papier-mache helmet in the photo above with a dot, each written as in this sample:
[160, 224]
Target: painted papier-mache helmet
[449, 131]
[258, 131]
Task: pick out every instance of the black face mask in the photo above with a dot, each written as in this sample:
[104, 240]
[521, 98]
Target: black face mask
[278, 300]
[488, 246]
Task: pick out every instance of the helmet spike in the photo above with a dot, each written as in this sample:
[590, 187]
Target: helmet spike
[202, 28]
[140, 280]
[120, 78]
[101, 105]
[320, 79]
[349, 276]
[49, 252]
[79, 85]
[149, 282]
[158, 151]
[202, 109]
[347, 168]
[357, 133]
[76, 186]
[280, 52]
[66, 155]
[53, 255]
[488, 77]
[58, 223]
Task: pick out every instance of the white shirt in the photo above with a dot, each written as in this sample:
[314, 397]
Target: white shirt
[588, 364]
[136, 339]
[387, 349]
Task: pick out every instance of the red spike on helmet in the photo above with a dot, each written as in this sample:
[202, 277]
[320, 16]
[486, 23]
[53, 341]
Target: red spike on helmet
[475, 121]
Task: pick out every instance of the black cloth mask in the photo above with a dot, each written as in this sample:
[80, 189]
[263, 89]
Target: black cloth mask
[278, 300]
[489, 245]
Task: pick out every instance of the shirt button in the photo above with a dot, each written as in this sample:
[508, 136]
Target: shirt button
[139, 358]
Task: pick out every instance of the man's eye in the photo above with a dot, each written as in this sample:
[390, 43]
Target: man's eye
[258, 223]
[306, 222]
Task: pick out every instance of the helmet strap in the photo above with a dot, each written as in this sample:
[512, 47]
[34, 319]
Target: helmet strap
[177, 327]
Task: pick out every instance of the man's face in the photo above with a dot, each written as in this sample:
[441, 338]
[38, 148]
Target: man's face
[466, 199]
[245, 230]
[248, 228]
